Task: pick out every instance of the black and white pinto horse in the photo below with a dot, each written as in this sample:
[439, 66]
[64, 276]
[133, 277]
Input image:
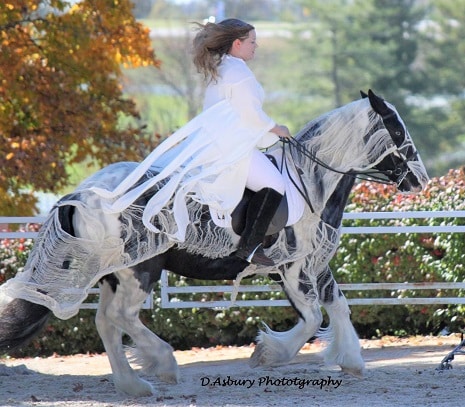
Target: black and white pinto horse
[364, 138]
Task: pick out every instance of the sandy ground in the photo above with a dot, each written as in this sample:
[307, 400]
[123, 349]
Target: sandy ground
[400, 372]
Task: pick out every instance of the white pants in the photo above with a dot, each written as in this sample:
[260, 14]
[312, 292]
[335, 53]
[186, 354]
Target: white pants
[263, 174]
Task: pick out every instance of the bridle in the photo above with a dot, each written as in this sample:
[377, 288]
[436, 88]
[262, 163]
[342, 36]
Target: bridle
[400, 170]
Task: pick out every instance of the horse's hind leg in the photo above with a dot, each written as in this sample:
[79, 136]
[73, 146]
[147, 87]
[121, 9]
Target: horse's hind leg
[124, 377]
[120, 301]
[344, 345]
[151, 352]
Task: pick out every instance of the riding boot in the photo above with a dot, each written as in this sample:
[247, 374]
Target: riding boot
[260, 212]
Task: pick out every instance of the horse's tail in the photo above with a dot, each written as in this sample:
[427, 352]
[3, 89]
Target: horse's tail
[20, 322]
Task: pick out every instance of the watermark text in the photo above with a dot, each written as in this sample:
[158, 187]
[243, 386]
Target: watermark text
[264, 381]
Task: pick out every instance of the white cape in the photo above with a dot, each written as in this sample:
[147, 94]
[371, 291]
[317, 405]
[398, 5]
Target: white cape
[207, 160]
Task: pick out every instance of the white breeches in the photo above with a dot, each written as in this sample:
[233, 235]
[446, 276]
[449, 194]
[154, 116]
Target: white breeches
[263, 174]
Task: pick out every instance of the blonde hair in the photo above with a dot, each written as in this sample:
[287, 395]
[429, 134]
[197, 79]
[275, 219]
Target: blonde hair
[212, 41]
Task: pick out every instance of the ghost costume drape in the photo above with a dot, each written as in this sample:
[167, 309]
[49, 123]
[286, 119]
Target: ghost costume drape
[207, 159]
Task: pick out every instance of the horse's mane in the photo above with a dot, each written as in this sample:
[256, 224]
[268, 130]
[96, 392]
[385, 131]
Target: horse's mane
[351, 138]
[339, 137]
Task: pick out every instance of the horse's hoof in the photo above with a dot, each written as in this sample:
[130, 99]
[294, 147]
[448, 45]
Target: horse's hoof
[264, 356]
[135, 387]
[356, 372]
[258, 356]
[170, 378]
[167, 369]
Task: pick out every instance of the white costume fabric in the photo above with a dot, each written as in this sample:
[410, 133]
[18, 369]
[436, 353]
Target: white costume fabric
[207, 159]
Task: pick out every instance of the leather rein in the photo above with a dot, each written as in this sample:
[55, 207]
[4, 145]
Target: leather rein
[400, 170]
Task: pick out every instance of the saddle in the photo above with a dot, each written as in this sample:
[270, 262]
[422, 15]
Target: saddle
[238, 216]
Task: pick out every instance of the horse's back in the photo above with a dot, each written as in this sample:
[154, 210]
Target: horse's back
[108, 177]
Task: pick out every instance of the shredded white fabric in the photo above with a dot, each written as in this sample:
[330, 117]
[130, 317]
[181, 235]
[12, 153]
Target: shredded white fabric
[62, 268]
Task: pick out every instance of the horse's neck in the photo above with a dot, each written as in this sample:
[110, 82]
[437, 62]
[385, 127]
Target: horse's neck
[337, 140]
[335, 205]
[325, 187]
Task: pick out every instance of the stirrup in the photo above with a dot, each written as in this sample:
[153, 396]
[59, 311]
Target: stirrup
[250, 256]
[257, 256]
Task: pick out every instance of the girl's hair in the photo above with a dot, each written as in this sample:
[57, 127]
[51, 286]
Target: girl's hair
[212, 41]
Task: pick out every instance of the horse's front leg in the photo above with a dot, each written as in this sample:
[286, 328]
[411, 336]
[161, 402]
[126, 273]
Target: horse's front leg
[344, 346]
[275, 348]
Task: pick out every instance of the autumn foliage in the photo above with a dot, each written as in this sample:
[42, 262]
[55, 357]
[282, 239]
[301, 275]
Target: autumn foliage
[61, 99]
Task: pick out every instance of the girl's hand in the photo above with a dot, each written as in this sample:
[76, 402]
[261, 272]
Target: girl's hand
[281, 131]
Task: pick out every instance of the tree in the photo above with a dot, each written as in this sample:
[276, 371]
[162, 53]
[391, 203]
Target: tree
[444, 81]
[60, 97]
[334, 43]
[408, 51]
[178, 56]
[420, 75]
[178, 72]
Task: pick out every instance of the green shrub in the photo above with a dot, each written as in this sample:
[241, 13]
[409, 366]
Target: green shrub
[372, 258]
[360, 258]
[187, 327]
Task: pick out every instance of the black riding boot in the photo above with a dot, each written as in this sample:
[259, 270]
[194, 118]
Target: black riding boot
[260, 212]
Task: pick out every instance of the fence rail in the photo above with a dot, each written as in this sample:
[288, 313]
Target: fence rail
[169, 294]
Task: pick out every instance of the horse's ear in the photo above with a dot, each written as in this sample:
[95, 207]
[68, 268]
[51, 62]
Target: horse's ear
[363, 94]
[378, 104]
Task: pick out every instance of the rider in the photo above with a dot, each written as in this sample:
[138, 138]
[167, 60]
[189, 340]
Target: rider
[214, 157]
[220, 54]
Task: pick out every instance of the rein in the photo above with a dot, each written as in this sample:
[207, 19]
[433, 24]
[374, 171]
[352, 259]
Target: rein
[371, 175]
[400, 171]
[303, 192]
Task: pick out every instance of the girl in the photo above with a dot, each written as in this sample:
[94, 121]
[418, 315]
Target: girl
[215, 156]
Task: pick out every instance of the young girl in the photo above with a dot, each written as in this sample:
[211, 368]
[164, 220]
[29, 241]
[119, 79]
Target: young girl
[220, 53]
[215, 156]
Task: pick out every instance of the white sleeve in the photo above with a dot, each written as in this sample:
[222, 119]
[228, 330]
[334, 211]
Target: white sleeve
[246, 98]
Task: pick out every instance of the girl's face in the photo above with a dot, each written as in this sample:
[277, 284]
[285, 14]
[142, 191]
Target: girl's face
[245, 49]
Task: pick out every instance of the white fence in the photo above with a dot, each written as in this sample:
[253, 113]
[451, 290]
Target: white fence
[169, 294]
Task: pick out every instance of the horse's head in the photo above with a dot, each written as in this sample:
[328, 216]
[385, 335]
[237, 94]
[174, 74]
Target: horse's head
[402, 165]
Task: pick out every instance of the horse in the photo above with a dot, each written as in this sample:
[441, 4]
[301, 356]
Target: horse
[80, 244]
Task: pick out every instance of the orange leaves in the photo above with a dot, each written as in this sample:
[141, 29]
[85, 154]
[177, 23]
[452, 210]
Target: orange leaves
[60, 96]
[368, 194]
[125, 40]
